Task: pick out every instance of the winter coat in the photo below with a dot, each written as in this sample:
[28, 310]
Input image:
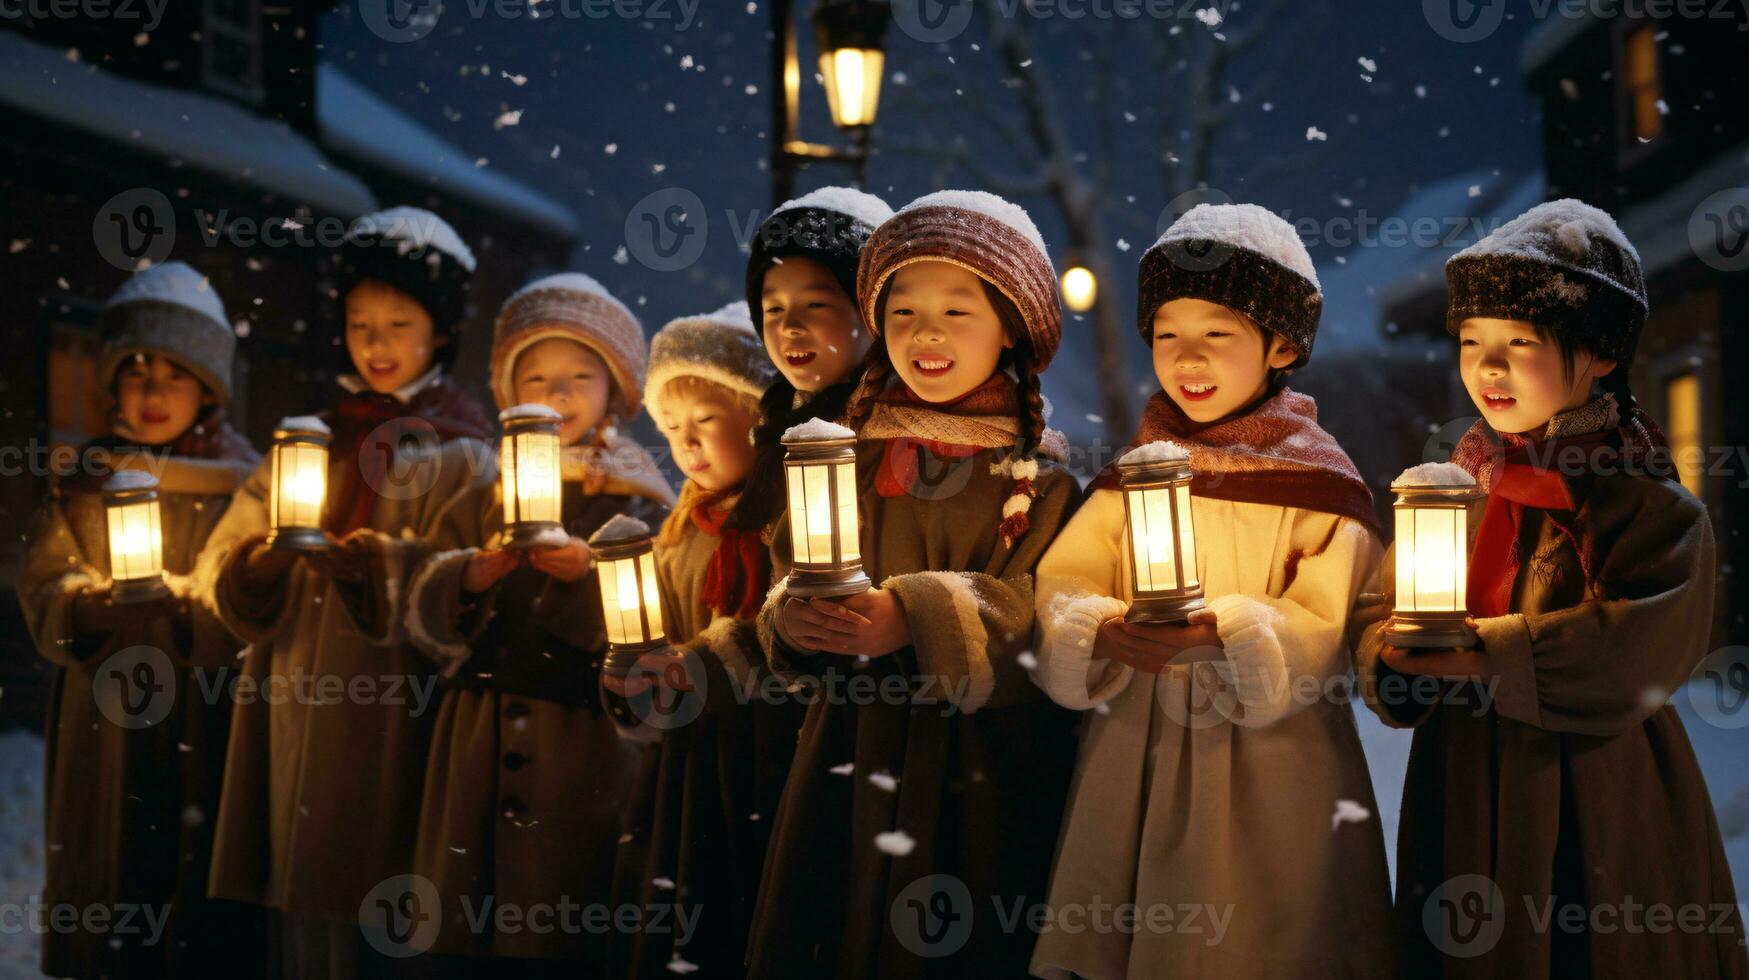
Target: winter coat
[706, 789]
[136, 732]
[527, 779]
[928, 784]
[1227, 801]
[1567, 780]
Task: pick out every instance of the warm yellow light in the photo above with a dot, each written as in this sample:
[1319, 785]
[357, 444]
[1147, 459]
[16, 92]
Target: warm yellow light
[1161, 533]
[136, 536]
[529, 473]
[1080, 289]
[825, 531]
[853, 84]
[1432, 564]
[298, 483]
[631, 603]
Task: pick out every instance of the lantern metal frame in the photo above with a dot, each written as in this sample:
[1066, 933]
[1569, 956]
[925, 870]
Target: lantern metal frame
[144, 588]
[524, 534]
[297, 537]
[1412, 628]
[1159, 605]
[840, 576]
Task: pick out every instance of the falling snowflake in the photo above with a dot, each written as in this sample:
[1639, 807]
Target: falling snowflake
[895, 842]
[511, 118]
[1314, 133]
[664, 883]
[678, 965]
[516, 80]
[1027, 660]
[1209, 16]
[843, 770]
[1369, 64]
[884, 780]
[1348, 811]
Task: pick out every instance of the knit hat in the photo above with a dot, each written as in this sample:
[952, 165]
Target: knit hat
[1563, 265]
[1242, 257]
[173, 311]
[720, 347]
[419, 254]
[829, 225]
[575, 307]
[979, 232]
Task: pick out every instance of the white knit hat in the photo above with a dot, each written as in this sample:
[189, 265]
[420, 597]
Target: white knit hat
[173, 311]
[720, 346]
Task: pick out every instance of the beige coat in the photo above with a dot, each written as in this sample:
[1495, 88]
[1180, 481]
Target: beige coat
[1221, 790]
[332, 725]
[1568, 778]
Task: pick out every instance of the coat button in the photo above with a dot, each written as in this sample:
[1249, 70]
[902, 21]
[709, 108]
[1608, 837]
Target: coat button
[515, 760]
[516, 709]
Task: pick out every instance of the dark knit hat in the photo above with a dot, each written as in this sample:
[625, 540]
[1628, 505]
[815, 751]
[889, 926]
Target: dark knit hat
[1563, 265]
[1242, 257]
[829, 225]
[170, 310]
[419, 254]
[982, 233]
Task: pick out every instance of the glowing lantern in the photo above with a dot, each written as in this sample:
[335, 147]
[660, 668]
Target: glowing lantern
[299, 485]
[1432, 558]
[819, 468]
[1155, 482]
[136, 537]
[848, 34]
[528, 471]
[631, 606]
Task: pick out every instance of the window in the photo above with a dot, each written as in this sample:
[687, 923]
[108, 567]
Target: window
[1682, 416]
[77, 400]
[230, 49]
[1642, 92]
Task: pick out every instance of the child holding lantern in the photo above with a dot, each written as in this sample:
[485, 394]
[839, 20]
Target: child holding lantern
[135, 752]
[1547, 763]
[1222, 766]
[708, 783]
[322, 792]
[930, 773]
[527, 777]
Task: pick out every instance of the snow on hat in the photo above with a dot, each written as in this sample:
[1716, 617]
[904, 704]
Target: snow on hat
[1564, 265]
[418, 253]
[829, 225]
[720, 346]
[173, 311]
[982, 233]
[1243, 257]
[575, 307]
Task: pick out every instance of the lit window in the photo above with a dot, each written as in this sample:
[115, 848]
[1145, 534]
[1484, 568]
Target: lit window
[1682, 412]
[1640, 76]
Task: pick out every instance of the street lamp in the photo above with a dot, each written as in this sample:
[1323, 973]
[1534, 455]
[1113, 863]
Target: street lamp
[1164, 584]
[819, 467]
[849, 34]
[1080, 288]
[136, 537]
[1432, 517]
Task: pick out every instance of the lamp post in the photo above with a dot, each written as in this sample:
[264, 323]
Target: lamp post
[819, 467]
[299, 484]
[528, 473]
[1160, 533]
[849, 35]
[1432, 524]
[136, 537]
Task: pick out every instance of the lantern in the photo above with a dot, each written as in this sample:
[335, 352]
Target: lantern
[1164, 584]
[1432, 517]
[1080, 288]
[136, 537]
[848, 34]
[631, 607]
[528, 471]
[819, 467]
[299, 485]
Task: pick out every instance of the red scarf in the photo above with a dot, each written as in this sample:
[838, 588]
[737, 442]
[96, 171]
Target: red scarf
[739, 573]
[441, 407]
[1275, 453]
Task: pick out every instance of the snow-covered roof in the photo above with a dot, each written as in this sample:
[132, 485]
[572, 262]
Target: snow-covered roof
[203, 131]
[355, 122]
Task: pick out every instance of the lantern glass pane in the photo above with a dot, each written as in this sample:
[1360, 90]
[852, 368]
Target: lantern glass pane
[1186, 535]
[135, 542]
[817, 492]
[849, 530]
[1436, 561]
[853, 84]
[798, 515]
[536, 464]
[300, 479]
[619, 602]
[507, 479]
[1151, 539]
[652, 596]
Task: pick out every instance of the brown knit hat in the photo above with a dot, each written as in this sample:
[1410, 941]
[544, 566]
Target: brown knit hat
[576, 307]
[982, 233]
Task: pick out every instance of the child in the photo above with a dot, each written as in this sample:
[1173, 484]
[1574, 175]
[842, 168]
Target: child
[706, 790]
[131, 793]
[322, 790]
[1220, 784]
[1548, 773]
[801, 275]
[929, 779]
[527, 778]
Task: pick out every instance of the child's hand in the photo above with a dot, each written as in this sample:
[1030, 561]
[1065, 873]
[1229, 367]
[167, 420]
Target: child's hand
[887, 628]
[95, 612]
[346, 560]
[567, 562]
[821, 624]
[1459, 662]
[1152, 647]
[266, 565]
[486, 567]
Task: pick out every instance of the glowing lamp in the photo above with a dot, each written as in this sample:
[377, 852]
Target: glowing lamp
[819, 467]
[1432, 518]
[136, 537]
[299, 485]
[849, 36]
[528, 471]
[1080, 288]
[1160, 534]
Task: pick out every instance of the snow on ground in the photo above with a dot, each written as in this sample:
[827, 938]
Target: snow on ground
[21, 847]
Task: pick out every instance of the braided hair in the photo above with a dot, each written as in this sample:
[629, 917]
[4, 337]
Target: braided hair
[778, 413]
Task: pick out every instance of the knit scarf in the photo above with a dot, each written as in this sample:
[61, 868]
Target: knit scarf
[1274, 453]
[987, 417]
[1546, 472]
[739, 573]
[441, 406]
